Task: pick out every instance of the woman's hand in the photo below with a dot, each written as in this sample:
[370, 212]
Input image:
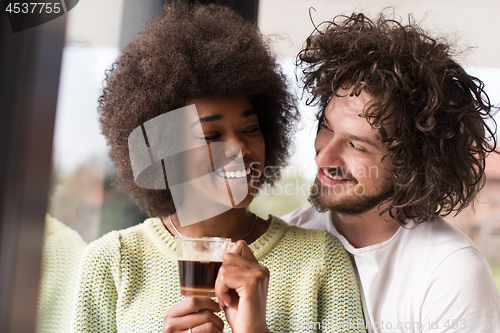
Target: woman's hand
[241, 288]
[196, 313]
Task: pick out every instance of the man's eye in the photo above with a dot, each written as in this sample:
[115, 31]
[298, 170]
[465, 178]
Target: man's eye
[357, 148]
[325, 126]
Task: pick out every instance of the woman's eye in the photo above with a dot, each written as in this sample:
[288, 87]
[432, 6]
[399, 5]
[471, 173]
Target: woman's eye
[210, 137]
[252, 130]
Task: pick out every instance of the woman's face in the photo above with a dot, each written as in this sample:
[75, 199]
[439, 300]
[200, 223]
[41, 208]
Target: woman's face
[231, 128]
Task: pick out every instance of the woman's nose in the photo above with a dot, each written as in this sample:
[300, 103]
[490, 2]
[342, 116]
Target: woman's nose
[236, 145]
[231, 150]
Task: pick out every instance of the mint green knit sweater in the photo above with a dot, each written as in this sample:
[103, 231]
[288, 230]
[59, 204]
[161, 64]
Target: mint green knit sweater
[129, 279]
[62, 252]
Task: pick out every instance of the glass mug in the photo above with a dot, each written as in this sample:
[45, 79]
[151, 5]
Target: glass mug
[199, 261]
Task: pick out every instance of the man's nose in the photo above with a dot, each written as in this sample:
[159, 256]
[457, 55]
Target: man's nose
[329, 154]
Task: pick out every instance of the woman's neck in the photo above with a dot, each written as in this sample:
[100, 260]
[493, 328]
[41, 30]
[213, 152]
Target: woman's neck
[236, 223]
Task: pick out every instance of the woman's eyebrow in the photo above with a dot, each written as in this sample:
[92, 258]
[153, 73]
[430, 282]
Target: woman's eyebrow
[206, 119]
[248, 113]
[215, 117]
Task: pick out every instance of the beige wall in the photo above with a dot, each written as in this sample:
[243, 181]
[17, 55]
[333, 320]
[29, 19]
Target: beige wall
[95, 22]
[474, 23]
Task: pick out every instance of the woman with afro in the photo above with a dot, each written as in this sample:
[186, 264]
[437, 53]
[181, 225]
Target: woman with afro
[208, 59]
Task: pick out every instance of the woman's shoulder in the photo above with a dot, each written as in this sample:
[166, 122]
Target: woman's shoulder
[114, 240]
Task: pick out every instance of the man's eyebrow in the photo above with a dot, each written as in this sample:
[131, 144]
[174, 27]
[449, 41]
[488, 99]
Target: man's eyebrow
[361, 139]
[355, 137]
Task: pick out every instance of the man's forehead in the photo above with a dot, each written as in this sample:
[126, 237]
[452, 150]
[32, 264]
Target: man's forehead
[346, 107]
[360, 106]
[350, 119]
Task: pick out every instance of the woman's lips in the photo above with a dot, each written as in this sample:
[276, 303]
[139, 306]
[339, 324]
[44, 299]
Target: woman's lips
[237, 174]
[234, 174]
[236, 177]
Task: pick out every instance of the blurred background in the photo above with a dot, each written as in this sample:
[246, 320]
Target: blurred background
[82, 196]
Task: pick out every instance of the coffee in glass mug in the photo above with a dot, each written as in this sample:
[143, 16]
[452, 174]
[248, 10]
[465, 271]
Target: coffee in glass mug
[199, 261]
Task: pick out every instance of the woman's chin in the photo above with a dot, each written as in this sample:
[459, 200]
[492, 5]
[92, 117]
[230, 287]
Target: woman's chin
[246, 202]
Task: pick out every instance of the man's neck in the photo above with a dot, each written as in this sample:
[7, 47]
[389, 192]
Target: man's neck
[365, 229]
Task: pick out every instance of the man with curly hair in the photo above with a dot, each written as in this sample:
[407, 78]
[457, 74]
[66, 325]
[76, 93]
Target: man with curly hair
[402, 139]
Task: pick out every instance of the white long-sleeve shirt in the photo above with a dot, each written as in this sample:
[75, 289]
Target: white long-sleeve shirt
[428, 278]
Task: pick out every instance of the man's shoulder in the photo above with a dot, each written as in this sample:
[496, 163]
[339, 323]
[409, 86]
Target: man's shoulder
[439, 233]
[460, 276]
[308, 218]
[436, 244]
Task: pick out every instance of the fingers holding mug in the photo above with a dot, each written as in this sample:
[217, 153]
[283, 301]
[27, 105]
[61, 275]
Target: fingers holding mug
[208, 327]
[195, 313]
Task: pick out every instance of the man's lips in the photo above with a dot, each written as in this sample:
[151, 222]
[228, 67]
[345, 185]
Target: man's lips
[326, 178]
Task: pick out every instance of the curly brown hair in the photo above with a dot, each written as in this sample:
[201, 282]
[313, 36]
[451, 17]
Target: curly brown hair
[192, 52]
[438, 138]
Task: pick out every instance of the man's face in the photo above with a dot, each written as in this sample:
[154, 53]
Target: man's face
[351, 178]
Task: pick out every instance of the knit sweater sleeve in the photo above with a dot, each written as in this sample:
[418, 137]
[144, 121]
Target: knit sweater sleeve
[62, 251]
[96, 296]
[339, 306]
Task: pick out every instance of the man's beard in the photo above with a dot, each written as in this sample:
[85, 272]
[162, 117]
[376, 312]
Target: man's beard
[354, 204]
